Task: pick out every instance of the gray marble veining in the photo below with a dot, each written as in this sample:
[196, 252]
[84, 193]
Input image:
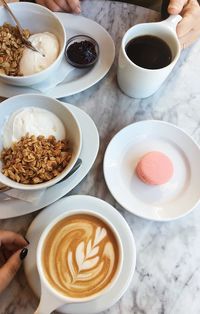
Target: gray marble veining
[167, 276]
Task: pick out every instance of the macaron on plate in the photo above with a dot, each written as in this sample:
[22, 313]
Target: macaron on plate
[152, 169]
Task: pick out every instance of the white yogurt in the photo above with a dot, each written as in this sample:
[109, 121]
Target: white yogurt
[34, 121]
[34, 62]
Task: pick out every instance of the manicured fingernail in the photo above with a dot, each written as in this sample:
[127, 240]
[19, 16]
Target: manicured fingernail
[26, 240]
[23, 253]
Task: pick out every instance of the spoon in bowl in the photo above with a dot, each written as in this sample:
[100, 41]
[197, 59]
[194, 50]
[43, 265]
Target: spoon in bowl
[4, 188]
[26, 42]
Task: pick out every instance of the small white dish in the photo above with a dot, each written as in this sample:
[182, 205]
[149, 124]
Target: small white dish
[166, 202]
[77, 80]
[91, 52]
[72, 128]
[91, 203]
[12, 207]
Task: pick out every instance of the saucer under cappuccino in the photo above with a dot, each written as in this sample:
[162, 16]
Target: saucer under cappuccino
[80, 256]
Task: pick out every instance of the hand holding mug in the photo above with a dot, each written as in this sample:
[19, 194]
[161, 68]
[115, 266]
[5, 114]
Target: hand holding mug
[188, 29]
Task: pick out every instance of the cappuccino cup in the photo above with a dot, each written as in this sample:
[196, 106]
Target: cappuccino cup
[79, 258]
[138, 81]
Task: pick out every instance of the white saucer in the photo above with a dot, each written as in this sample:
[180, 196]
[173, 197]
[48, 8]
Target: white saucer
[11, 207]
[78, 80]
[165, 202]
[92, 203]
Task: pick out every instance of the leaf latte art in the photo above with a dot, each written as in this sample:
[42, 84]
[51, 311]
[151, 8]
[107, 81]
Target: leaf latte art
[80, 256]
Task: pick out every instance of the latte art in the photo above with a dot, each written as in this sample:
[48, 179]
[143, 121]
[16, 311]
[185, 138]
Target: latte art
[80, 256]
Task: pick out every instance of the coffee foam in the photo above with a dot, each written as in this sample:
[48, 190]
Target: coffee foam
[80, 256]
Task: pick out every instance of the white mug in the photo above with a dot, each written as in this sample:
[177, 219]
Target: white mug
[139, 82]
[51, 299]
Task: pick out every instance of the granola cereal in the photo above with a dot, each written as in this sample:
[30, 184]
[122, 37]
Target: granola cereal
[11, 49]
[34, 160]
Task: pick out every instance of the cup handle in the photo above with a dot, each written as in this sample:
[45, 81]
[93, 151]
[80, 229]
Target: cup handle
[172, 21]
[48, 302]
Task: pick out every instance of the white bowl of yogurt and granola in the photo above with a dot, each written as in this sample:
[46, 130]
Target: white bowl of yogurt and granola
[40, 141]
[20, 65]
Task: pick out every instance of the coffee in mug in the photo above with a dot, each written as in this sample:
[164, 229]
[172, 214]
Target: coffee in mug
[80, 256]
[149, 52]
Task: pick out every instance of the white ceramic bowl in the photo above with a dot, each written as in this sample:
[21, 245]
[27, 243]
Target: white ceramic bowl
[71, 124]
[37, 19]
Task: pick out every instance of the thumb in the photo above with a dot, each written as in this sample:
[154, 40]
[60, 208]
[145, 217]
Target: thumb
[10, 268]
[176, 6]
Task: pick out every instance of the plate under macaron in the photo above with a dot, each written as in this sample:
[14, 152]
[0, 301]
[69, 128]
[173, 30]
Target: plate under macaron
[169, 201]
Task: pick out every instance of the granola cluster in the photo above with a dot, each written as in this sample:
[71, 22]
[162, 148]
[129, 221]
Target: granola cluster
[34, 160]
[11, 49]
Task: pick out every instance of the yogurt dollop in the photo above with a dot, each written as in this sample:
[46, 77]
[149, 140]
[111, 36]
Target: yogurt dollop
[34, 121]
[34, 62]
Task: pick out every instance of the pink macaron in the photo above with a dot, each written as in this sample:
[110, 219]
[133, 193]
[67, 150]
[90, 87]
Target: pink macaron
[155, 168]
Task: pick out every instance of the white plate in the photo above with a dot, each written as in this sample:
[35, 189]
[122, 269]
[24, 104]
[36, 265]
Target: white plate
[10, 207]
[166, 202]
[92, 203]
[78, 80]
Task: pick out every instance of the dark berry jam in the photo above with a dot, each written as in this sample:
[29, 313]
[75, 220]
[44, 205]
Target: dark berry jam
[83, 52]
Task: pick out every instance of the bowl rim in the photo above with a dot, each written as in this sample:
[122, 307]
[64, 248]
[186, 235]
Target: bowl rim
[61, 52]
[43, 185]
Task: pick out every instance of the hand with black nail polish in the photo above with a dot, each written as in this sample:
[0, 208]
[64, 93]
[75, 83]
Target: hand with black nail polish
[12, 250]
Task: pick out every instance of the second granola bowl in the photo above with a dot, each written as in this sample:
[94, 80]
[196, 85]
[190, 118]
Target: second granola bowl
[46, 160]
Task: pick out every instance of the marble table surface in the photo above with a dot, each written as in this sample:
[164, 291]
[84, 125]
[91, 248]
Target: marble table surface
[167, 276]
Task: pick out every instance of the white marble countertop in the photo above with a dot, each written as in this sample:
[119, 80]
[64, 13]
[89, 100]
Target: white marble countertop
[167, 276]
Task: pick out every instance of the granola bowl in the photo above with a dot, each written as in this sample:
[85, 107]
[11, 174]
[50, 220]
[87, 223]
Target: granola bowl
[37, 19]
[40, 161]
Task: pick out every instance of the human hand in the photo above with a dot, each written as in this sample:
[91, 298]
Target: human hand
[188, 29]
[13, 250]
[72, 6]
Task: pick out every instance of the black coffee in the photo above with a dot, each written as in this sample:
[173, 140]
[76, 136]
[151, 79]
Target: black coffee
[149, 52]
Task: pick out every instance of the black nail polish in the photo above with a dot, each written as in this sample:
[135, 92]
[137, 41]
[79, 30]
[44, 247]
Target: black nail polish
[23, 253]
[26, 240]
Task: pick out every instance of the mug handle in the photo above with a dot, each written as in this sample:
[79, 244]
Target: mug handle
[172, 21]
[48, 302]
